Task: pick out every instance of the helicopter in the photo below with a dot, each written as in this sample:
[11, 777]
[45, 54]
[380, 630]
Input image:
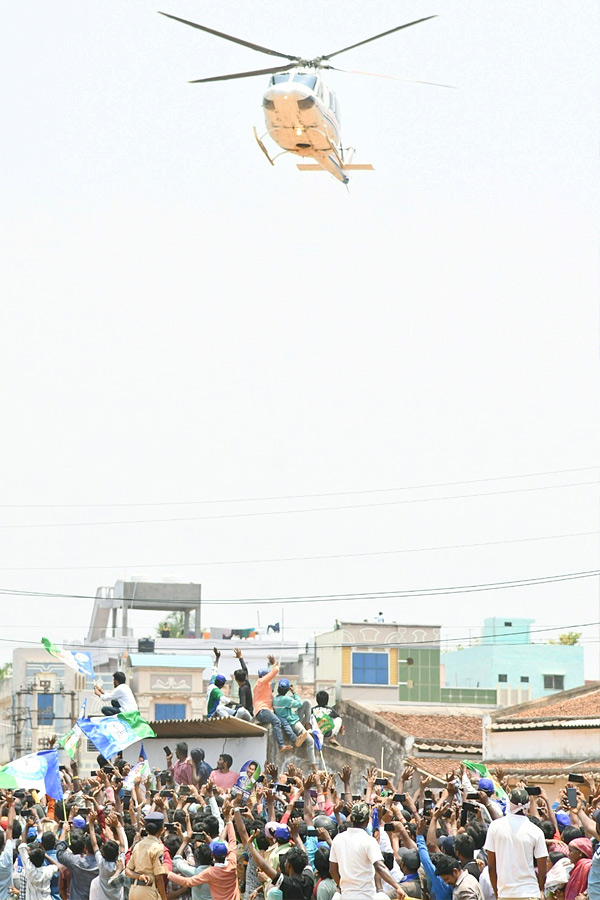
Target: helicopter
[302, 113]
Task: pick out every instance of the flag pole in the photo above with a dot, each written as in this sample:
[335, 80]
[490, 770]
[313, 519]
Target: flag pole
[65, 819]
[323, 761]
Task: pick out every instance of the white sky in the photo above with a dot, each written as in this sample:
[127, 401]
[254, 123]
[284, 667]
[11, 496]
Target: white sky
[183, 322]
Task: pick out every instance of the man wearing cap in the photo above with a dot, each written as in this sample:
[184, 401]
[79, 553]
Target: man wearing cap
[512, 844]
[263, 706]
[287, 705]
[146, 865]
[355, 858]
[222, 876]
[486, 787]
[218, 706]
[409, 866]
[281, 834]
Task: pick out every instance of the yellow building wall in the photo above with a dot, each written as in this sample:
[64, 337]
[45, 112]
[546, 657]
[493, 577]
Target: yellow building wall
[346, 665]
[393, 665]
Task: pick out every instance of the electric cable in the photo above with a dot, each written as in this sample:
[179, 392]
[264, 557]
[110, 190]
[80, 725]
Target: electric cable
[290, 512]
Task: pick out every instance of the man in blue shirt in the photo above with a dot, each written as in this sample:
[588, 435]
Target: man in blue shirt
[203, 769]
[439, 889]
[288, 706]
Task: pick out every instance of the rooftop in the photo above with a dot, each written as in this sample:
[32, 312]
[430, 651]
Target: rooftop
[579, 707]
[549, 767]
[436, 766]
[547, 770]
[439, 732]
[170, 661]
[229, 727]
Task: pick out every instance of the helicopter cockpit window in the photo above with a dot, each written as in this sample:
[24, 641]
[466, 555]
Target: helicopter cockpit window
[333, 104]
[309, 80]
[279, 79]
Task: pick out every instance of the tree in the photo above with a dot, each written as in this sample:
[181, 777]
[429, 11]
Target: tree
[567, 639]
[173, 623]
[5, 671]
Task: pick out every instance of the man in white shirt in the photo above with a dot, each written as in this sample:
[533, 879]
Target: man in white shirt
[121, 699]
[6, 850]
[511, 844]
[37, 874]
[355, 857]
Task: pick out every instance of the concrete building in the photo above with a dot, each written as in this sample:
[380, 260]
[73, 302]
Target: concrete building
[371, 660]
[379, 662]
[548, 738]
[433, 742]
[506, 661]
[41, 698]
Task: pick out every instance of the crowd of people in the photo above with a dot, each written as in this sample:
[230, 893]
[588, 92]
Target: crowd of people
[203, 833]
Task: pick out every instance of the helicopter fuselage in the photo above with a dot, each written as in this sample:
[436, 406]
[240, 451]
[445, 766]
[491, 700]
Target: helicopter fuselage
[302, 117]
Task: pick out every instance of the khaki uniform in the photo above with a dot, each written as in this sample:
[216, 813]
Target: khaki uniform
[147, 859]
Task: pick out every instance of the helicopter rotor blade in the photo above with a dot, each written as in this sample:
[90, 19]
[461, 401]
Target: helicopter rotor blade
[377, 36]
[392, 77]
[229, 37]
[270, 71]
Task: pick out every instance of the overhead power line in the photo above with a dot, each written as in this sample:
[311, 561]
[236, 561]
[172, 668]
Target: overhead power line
[414, 487]
[356, 595]
[276, 645]
[290, 512]
[277, 559]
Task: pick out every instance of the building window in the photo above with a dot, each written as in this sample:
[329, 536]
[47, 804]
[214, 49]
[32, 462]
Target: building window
[370, 668]
[524, 679]
[503, 678]
[45, 707]
[163, 711]
[554, 682]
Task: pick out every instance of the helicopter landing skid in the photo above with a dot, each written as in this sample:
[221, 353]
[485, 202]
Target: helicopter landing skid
[262, 147]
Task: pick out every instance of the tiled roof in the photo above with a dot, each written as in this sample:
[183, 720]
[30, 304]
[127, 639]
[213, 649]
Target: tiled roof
[435, 765]
[579, 707]
[587, 705]
[438, 766]
[547, 766]
[464, 730]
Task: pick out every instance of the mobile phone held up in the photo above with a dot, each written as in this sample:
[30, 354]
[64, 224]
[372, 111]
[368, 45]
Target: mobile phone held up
[533, 790]
[572, 797]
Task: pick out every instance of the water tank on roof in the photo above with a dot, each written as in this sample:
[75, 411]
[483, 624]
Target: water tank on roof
[145, 645]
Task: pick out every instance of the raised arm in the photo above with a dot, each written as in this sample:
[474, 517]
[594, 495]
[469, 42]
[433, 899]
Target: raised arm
[92, 816]
[240, 659]
[10, 800]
